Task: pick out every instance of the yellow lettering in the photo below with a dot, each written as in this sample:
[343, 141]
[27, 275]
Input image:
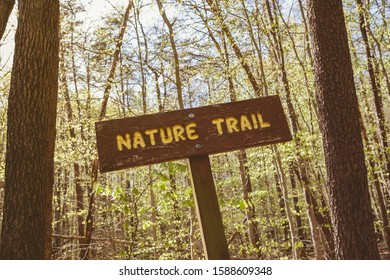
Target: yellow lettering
[245, 123]
[150, 133]
[120, 141]
[254, 120]
[190, 130]
[178, 132]
[231, 124]
[218, 122]
[138, 140]
[166, 139]
[262, 123]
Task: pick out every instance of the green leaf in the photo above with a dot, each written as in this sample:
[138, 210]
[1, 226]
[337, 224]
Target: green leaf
[142, 211]
[243, 205]
[126, 209]
[135, 191]
[107, 191]
[188, 203]
[182, 168]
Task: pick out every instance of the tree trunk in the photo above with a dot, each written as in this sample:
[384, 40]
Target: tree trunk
[307, 40]
[175, 54]
[250, 212]
[352, 217]
[283, 185]
[115, 58]
[217, 13]
[29, 172]
[153, 206]
[253, 231]
[257, 45]
[141, 59]
[297, 210]
[94, 165]
[6, 7]
[72, 132]
[372, 147]
[375, 90]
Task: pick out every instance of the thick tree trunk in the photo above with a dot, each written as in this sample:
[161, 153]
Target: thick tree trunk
[373, 146]
[352, 217]
[29, 173]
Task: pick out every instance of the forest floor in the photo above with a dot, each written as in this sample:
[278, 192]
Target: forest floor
[383, 251]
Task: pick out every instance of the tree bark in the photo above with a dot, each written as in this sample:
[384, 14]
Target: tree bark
[6, 7]
[352, 217]
[29, 173]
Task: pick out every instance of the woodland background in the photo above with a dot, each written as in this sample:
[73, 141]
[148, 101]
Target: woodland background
[141, 57]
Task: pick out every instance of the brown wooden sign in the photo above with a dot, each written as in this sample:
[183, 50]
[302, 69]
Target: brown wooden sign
[161, 137]
[194, 134]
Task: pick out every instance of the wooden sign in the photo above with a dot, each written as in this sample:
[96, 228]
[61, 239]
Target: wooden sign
[194, 134]
[161, 137]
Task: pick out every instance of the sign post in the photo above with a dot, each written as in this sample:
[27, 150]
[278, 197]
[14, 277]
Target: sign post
[210, 220]
[194, 134]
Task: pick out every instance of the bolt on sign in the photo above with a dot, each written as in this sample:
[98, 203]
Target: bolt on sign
[194, 134]
[156, 138]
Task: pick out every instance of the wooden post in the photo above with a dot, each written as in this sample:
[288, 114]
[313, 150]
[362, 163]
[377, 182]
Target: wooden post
[209, 215]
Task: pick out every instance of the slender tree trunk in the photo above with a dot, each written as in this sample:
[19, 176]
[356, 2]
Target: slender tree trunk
[352, 217]
[216, 11]
[242, 157]
[94, 174]
[257, 45]
[310, 94]
[6, 7]
[375, 177]
[297, 210]
[115, 58]
[141, 60]
[281, 204]
[381, 60]
[283, 185]
[375, 90]
[57, 217]
[253, 229]
[72, 132]
[153, 206]
[144, 60]
[32, 104]
[175, 54]
[307, 40]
